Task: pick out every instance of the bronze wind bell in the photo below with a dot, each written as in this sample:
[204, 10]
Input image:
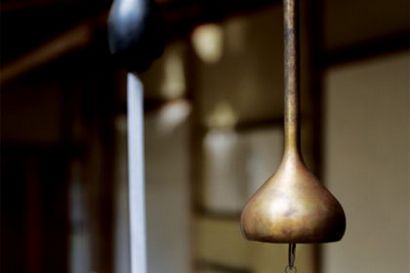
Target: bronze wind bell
[292, 206]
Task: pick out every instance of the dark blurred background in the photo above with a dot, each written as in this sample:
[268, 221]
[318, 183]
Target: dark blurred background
[213, 134]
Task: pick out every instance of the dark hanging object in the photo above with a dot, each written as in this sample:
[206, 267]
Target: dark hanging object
[292, 206]
[135, 33]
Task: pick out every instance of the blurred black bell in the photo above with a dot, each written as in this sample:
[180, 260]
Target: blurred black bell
[135, 33]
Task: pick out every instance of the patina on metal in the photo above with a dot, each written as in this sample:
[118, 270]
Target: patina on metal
[292, 206]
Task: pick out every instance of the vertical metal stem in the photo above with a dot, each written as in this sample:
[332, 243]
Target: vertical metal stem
[136, 197]
[291, 35]
[292, 92]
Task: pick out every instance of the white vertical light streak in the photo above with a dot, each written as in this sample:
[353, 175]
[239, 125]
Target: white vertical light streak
[136, 175]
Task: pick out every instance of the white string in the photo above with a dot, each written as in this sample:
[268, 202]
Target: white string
[136, 197]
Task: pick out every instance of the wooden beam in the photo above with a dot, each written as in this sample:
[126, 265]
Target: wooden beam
[182, 18]
[18, 6]
[213, 266]
[77, 37]
[368, 49]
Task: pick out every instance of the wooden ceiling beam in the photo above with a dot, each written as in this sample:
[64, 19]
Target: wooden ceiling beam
[77, 37]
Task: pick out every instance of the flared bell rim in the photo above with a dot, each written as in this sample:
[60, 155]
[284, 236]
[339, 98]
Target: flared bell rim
[327, 234]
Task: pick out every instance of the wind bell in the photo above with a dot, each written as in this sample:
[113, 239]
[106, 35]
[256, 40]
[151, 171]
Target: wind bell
[292, 206]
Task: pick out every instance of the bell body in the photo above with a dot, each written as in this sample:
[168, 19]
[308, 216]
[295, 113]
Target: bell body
[293, 207]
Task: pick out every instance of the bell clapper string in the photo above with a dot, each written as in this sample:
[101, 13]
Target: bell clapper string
[291, 268]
